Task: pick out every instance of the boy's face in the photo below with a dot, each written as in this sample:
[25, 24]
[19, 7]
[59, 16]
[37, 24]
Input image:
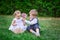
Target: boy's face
[31, 14]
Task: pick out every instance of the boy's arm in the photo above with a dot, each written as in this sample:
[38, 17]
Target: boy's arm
[31, 22]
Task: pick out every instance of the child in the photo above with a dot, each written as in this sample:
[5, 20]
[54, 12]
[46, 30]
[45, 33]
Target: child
[24, 15]
[17, 23]
[34, 25]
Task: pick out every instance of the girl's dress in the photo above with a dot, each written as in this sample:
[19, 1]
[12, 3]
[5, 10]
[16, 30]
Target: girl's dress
[19, 23]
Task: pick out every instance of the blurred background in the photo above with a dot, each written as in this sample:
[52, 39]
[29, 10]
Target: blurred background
[48, 15]
[49, 8]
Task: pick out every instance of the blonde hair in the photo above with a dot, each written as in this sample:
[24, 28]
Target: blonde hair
[33, 12]
[17, 12]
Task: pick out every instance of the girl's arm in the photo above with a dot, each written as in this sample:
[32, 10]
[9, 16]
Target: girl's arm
[31, 22]
[24, 23]
[14, 23]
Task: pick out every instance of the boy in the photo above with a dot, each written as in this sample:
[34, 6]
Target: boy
[34, 25]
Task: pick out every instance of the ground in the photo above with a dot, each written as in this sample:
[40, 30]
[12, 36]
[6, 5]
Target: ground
[49, 29]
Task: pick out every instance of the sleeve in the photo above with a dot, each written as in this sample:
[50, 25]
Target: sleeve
[34, 21]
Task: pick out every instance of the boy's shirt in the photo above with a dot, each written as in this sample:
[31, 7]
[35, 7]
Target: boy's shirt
[32, 22]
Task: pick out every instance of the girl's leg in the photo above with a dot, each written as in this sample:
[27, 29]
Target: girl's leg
[17, 31]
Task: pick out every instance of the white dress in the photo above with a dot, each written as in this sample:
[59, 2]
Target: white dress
[19, 23]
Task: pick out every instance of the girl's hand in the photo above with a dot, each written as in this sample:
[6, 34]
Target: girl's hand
[14, 24]
[23, 19]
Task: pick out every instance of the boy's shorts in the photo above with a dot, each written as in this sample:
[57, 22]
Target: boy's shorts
[33, 27]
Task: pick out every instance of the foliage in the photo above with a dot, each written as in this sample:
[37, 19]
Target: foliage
[44, 7]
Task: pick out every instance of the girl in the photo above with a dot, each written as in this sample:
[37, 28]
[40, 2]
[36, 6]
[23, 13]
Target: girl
[23, 16]
[17, 23]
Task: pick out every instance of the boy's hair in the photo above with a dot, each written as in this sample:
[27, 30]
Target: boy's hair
[16, 12]
[34, 12]
[24, 15]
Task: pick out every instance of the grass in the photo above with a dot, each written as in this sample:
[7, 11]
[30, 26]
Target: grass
[50, 30]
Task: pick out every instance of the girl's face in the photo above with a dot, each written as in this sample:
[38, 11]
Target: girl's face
[18, 14]
[24, 15]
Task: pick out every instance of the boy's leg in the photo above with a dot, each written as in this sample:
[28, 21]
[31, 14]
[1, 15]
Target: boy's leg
[36, 28]
[37, 32]
[32, 31]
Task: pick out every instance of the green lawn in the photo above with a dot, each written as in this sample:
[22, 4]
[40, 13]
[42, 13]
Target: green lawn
[50, 30]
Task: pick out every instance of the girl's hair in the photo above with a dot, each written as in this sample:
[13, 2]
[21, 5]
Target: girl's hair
[33, 12]
[16, 12]
[24, 15]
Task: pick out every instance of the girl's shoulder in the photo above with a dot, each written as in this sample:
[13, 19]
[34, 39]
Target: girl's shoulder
[21, 18]
[14, 19]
